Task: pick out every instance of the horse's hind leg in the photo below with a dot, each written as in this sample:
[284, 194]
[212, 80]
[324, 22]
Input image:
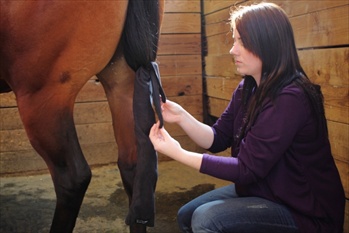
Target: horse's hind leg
[50, 128]
[118, 81]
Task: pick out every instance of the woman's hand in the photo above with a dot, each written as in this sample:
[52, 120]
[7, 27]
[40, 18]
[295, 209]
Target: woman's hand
[171, 111]
[165, 144]
[162, 141]
[199, 132]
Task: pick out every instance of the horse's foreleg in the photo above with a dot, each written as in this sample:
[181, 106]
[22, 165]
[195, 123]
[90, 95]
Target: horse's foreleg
[50, 128]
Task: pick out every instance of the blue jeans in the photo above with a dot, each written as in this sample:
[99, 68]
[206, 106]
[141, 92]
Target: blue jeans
[222, 210]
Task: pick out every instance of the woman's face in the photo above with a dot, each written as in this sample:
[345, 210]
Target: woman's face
[246, 62]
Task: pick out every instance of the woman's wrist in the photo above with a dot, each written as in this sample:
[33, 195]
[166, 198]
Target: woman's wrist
[184, 117]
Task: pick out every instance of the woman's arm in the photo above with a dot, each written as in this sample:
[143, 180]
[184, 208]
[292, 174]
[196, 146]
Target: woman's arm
[199, 132]
[165, 144]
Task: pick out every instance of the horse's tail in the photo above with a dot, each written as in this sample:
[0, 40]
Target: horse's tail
[140, 40]
[141, 32]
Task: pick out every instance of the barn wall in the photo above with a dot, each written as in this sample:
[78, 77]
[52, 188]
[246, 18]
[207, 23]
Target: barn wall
[321, 33]
[179, 60]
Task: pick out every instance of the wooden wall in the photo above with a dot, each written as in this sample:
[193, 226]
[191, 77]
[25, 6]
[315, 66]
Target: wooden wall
[180, 67]
[321, 33]
[180, 61]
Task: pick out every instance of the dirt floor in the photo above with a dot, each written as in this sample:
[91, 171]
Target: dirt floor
[27, 202]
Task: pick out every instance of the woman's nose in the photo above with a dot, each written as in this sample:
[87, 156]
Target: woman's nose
[233, 50]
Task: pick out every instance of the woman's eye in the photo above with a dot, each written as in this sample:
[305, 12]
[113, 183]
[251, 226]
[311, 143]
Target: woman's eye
[237, 40]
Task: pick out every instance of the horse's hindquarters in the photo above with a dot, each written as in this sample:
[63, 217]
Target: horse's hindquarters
[57, 42]
[48, 50]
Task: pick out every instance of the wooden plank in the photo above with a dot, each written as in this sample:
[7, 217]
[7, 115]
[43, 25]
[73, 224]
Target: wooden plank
[219, 44]
[324, 28]
[87, 134]
[218, 23]
[326, 66]
[181, 23]
[304, 7]
[220, 15]
[25, 161]
[221, 65]
[221, 88]
[175, 6]
[21, 162]
[8, 99]
[84, 113]
[92, 112]
[100, 153]
[193, 103]
[170, 44]
[339, 138]
[217, 106]
[182, 85]
[211, 6]
[329, 68]
[14, 140]
[10, 119]
[177, 65]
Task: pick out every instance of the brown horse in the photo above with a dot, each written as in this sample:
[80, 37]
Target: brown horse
[48, 51]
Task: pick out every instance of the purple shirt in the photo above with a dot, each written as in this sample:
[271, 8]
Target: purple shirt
[284, 158]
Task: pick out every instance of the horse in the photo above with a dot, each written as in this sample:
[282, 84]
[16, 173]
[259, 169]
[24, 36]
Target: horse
[48, 51]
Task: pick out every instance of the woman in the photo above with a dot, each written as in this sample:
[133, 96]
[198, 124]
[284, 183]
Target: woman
[285, 178]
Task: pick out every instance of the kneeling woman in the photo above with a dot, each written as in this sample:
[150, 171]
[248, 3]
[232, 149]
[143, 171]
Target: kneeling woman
[285, 178]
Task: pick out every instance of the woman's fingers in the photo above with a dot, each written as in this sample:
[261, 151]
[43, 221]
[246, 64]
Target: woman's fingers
[156, 133]
[153, 130]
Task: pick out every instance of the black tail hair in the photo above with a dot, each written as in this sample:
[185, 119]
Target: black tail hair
[141, 32]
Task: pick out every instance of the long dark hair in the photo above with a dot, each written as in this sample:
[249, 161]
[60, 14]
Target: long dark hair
[266, 32]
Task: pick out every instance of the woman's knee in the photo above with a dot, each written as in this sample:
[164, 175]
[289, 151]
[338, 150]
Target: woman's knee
[204, 220]
[184, 219]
